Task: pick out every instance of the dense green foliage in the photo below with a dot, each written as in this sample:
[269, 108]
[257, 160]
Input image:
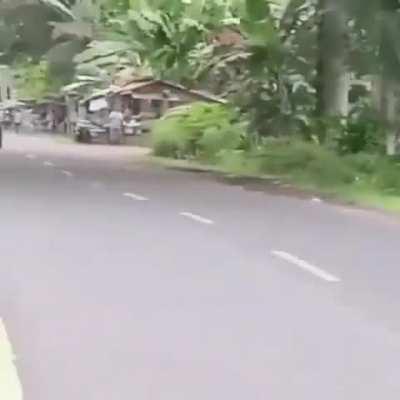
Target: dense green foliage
[212, 134]
[200, 131]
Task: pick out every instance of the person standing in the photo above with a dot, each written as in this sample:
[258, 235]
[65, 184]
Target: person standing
[127, 115]
[17, 120]
[116, 119]
[2, 116]
[73, 121]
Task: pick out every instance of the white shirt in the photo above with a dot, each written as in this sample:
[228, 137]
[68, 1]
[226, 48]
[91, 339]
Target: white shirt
[116, 119]
[18, 117]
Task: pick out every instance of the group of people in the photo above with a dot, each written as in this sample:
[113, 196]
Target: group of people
[11, 119]
[117, 121]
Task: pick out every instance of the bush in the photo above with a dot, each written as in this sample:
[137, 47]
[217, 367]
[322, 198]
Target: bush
[200, 130]
[363, 163]
[219, 138]
[168, 139]
[387, 176]
[306, 161]
[330, 170]
[361, 135]
[234, 161]
[361, 131]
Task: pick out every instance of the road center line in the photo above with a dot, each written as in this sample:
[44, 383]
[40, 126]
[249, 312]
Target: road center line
[136, 197]
[10, 385]
[67, 173]
[318, 272]
[316, 200]
[197, 218]
[48, 164]
[31, 156]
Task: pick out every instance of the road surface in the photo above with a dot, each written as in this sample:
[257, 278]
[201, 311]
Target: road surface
[123, 280]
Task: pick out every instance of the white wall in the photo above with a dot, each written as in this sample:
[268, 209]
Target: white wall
[7, 89]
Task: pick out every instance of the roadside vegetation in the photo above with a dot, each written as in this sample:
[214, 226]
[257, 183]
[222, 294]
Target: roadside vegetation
[353, 167]
[311, 86]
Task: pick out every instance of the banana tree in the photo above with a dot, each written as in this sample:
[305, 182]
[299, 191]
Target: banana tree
[170, 30]
[263, 62]
[73, 36]
[57, 5]
[24, 26]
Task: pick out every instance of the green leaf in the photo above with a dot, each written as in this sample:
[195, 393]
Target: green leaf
[99, 49]
[59, 7]
[257, 9]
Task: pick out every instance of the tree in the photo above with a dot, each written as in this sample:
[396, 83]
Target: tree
[62, 8]
[333, 78]
[264, 61]
[24, 26]
[379, 24]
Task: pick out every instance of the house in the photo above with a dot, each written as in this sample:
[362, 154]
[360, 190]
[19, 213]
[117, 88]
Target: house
[50, 113]
[7, 87]
[151, 98]
[147, 98]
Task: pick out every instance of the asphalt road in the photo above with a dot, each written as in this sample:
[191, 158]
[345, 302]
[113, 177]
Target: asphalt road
[123, 280]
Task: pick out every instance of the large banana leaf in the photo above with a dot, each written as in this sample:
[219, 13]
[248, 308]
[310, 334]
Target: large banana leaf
[100, 49]
[56, 5]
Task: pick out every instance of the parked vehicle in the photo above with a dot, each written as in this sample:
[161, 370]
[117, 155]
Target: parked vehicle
[7, 120]
[132, 128]
[86, 131]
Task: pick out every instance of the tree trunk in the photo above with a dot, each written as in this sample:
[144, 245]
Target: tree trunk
[333, 82]
[389, 73]
[376, 92]
[388, 106]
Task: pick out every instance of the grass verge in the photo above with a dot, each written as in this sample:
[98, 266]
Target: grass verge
[354, 194]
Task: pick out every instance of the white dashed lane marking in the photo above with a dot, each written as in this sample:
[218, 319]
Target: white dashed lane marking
[197, 218]
[316, 200]
[304, 265]
[136, 197]
[48, 164]
[67, 173]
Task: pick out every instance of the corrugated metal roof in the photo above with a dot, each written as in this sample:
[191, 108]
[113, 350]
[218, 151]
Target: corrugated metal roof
[97, 93]
[209, 96]
[131, 87]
